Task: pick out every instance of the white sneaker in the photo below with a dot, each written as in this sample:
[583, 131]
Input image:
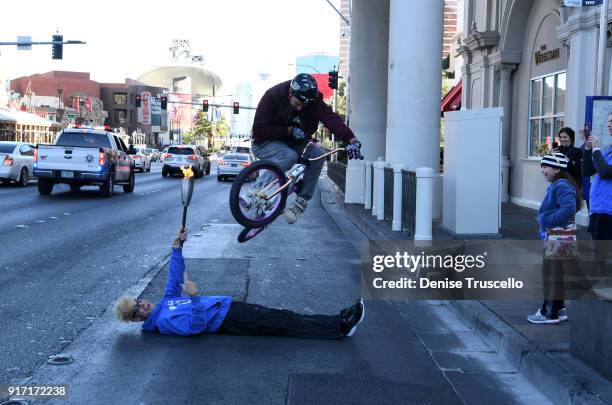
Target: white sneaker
[563, 315]
[539, 318]
[292, 213]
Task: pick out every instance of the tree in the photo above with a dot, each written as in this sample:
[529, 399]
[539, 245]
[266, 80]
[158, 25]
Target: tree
[203, 128]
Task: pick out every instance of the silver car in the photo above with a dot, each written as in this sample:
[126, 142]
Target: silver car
[16, 160]
[232, 163]
[182, 155]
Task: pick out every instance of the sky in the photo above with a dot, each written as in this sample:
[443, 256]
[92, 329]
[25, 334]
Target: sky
[238, 38]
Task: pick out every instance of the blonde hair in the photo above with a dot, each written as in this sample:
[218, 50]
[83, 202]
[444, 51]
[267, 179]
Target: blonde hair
[124, 308]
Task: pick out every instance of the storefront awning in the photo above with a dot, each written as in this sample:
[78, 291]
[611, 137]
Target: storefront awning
[452, 100]
[24, 118]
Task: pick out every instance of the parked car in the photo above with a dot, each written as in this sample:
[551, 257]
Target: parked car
[16, 160]
[142, 161]
[232, 163]
[81, 157]
[182, 155]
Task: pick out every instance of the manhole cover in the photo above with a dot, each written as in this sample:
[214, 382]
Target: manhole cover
[60, 359]
[15, 402]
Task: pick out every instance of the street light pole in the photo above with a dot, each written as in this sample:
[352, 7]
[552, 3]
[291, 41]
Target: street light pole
[603, 37]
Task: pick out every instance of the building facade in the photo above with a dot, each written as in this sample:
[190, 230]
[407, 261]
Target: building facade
[537, 60]
[147, 124]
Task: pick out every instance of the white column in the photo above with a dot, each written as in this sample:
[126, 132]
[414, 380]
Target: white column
[505, 101]
[424, 204]
[396, 224]
[368, 86]
[414, 83]
[368, 185]
[414, 87]
[378, 206]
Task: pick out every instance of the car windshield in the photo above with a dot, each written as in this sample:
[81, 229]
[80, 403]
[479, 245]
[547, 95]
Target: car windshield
[83, 139]
[236, 156]
[7, 147]
[180, 151]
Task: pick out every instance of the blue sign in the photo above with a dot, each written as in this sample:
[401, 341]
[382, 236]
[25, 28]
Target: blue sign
[582, 3]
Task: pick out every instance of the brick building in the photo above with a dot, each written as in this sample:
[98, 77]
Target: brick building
[58, 83]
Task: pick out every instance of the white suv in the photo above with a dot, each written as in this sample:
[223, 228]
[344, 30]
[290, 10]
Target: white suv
[185, 155]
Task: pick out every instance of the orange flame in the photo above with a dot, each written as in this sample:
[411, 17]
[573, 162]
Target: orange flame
[187, 172]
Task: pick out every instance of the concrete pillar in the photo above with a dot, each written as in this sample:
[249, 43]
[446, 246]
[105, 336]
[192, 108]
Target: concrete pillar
[378, 208]
[424, 204]
[368, 86]
[415, 86]
[396, 224]
[505, 101]
[414, 83]
[368, 185]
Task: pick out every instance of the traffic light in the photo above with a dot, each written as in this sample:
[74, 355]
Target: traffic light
[236, 107]
[138, 100]
[333, 79]
[164, 102]
[205, 105]
[57, 50]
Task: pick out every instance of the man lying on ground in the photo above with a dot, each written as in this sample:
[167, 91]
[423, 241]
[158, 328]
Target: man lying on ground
[194, 314]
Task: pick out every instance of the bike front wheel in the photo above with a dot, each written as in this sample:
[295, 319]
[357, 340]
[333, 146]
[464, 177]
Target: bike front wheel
[248, 234]
[255, 198]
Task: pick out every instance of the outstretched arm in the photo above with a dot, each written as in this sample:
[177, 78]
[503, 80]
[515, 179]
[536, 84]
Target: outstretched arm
[177, 266]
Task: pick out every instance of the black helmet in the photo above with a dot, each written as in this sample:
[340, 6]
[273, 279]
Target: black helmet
[304, 88]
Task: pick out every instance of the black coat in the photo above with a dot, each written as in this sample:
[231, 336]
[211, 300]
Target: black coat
[574, 167]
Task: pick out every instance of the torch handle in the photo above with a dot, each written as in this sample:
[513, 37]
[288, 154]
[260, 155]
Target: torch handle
[184, 220]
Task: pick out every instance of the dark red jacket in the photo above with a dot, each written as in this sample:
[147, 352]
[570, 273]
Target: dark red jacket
[274, 115]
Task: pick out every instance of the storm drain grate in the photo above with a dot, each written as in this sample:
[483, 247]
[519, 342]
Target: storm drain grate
[60, 359]
[342, 389]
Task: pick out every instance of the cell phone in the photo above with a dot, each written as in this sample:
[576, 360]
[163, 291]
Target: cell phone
[587, 130]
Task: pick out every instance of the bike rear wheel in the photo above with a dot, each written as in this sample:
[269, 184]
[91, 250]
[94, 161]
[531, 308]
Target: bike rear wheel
[248, 233]
[247, 203]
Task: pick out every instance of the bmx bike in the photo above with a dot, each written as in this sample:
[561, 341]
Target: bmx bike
[260, 191]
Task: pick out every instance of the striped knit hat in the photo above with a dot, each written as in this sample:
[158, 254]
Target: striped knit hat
[555, 160]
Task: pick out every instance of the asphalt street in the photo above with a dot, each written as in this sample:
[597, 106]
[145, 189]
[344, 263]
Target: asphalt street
[64, 257]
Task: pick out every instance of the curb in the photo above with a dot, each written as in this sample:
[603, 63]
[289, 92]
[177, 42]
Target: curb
[550, 377]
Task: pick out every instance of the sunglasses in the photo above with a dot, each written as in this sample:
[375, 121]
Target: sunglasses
[137, 305]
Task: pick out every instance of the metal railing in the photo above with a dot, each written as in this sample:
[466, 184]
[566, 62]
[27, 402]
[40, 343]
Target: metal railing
[336, 171]
[388, 192]
[409, 187]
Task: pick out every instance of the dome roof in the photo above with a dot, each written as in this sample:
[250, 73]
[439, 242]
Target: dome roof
[202, 80]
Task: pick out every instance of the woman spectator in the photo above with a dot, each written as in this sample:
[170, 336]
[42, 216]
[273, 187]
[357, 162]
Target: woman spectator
[556, 217]
[567, 138]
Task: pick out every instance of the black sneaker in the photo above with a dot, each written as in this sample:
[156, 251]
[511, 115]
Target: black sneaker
[351, 317]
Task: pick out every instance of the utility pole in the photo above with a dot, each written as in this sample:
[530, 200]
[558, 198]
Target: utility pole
[601, 54]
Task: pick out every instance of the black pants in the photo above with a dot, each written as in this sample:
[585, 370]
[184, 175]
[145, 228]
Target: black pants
[252, 319]
[554, 288]
[600, 226]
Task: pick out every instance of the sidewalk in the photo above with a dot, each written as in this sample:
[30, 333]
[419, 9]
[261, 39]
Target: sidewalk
[540, 352]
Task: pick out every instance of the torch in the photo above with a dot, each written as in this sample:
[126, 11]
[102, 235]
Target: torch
[186, 191]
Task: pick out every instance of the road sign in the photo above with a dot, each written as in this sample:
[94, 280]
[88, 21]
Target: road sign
[582, 3]
[24, 43]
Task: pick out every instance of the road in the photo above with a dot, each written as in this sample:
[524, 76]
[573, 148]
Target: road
[64, 257]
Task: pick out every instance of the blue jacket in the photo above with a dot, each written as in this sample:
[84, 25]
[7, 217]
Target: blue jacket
[176, 315]
[599, 163]
[558, 207]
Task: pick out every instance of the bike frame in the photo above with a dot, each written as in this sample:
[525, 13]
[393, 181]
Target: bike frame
[291, 179]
